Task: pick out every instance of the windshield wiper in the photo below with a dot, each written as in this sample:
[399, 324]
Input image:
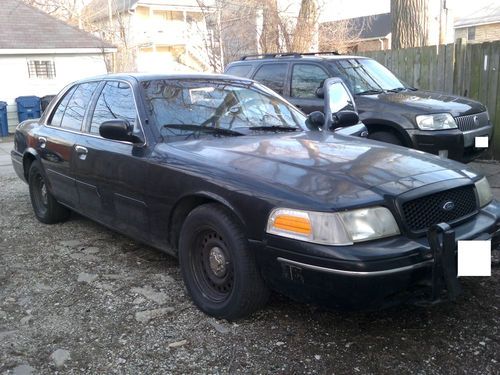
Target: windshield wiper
[370, 92]
[274, 128]
[205, 129]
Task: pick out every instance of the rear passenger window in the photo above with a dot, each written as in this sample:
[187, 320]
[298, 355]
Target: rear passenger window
[239, 70]
[77, 105]
[116, 101]
[59, 112]
[306, 78]
[272, 76]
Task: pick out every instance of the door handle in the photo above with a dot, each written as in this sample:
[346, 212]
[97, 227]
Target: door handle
[81, 152]
[42, 141]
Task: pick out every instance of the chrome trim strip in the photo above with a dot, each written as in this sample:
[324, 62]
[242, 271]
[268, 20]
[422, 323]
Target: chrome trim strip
[355, 273]
[16, 161]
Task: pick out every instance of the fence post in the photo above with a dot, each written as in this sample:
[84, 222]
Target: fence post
[458, 70]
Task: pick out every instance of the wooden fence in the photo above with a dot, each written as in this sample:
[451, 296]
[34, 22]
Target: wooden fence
[459, 68]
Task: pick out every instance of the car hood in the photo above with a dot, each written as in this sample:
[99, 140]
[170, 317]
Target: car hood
[328, 169]
[422, 102]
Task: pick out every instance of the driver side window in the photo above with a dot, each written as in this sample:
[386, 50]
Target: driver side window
[306, 78]
[116, 101]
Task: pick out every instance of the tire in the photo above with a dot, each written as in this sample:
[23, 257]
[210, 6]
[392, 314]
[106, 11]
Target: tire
[218, 268]
[46, 208]
[386, 137]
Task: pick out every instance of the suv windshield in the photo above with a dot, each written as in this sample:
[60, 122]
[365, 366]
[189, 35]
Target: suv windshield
[366, 76]
[216, 108]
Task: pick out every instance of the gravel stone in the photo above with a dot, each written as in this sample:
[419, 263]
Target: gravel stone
[86, 277]
[146, 316]
[23, 370]
[59, 357]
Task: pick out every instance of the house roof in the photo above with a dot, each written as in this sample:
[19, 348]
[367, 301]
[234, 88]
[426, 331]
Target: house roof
[374, 26]
[488, 14]
[98, 9]
[26, 27]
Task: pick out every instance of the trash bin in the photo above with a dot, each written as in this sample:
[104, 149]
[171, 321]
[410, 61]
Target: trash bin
[28, 107]
[45, 101]
[4, 126]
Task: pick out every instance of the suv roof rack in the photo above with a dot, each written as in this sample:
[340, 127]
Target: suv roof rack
[286, 54]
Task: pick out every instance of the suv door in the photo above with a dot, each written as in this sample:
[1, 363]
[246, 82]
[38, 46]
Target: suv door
[305, 79]
[57, 139]
[274, 76]
[111, 175]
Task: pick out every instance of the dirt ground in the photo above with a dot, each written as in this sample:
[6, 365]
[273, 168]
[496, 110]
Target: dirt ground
[76, 298]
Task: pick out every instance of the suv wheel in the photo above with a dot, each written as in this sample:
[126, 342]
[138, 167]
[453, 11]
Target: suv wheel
[218, 268]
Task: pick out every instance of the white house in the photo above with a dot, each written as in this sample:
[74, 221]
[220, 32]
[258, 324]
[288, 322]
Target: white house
[39, 54]
[160, 35]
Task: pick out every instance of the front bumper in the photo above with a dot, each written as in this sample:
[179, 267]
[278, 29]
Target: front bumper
[459, 145]
[377, 274]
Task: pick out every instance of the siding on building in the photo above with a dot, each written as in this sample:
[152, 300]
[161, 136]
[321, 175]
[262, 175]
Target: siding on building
[15, 80]
[483, 33]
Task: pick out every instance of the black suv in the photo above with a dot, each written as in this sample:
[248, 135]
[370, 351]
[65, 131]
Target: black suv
[392, 111]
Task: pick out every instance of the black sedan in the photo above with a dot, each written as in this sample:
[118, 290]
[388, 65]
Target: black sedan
[226, 175]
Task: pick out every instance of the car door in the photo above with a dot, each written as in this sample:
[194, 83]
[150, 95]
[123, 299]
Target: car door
[56, 142]
[273, 75]
[111, 176]
[306, 78]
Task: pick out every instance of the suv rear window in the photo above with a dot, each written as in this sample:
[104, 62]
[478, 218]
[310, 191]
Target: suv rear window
[239, 70]
[272, 76]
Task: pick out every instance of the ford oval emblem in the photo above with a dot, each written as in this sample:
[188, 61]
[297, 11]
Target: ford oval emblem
[449, 206]
[475, 119]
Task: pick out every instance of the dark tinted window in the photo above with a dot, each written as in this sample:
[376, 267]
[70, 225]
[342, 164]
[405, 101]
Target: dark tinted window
[116, 101]
[239, 70]
[77, 105]
[59, 112]
[306, 78]
[273, 76]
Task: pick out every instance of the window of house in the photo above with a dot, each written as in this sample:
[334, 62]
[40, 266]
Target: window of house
[77, 105]
[116, 101]
[306, 78]
[471, 33]
[45, 69]
[272, 76]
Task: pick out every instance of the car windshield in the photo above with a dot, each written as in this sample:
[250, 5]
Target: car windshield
[367, 76]
[193, 108]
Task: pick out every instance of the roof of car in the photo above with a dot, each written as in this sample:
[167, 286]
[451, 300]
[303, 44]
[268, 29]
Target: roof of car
[157, 76]
[294, 57]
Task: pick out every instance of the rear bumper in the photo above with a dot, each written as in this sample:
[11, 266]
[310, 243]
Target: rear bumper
[458, 145]
[392, 271]
[17, 164]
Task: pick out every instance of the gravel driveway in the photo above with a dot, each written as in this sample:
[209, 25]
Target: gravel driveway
[77, 298]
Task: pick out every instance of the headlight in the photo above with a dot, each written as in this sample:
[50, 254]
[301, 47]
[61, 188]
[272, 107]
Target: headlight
[335, 228]
[483, 192]
[437, 121]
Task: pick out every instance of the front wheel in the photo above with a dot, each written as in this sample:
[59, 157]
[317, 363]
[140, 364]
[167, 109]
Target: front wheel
[218, 268]
[46, 208]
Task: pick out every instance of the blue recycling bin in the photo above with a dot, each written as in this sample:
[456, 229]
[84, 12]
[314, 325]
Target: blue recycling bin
[4, 126]
[28, 107]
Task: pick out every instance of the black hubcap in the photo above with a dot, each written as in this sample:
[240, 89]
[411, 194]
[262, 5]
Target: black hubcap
[40, 194]
[211, 263]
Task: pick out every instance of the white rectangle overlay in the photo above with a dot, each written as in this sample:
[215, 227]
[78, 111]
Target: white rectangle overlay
[481, 142]
[474, 258]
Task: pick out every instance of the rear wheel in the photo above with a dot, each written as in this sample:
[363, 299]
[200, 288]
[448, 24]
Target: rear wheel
[386, 137]
[218, 268]
[46, 208]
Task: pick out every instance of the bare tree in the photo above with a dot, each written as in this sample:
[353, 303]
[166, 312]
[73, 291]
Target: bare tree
[409, 23]
[270, 35]
[305, 37]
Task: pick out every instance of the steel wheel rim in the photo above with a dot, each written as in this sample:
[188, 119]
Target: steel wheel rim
[212, 265]
[40, 193]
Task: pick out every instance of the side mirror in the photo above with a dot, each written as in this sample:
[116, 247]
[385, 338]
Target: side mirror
[118, 130]
[320, 93]
[315, 120]
[345, 118]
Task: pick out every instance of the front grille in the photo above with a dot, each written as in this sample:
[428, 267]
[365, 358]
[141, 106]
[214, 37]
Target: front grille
[471, 122]
[422, 213]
